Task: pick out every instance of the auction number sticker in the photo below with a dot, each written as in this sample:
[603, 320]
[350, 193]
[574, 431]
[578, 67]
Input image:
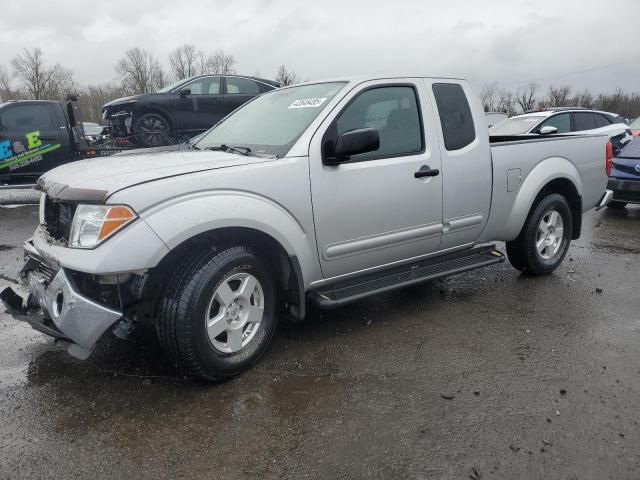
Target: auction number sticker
[308, 102]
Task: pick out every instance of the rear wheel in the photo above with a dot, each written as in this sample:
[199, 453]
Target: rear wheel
[219, 313]
[616, 204]
[151, 130]
[545, 237]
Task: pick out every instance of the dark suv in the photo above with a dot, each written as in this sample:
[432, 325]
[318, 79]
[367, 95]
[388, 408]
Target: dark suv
[182, 109]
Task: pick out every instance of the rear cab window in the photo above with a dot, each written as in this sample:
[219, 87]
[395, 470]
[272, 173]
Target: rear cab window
[456, 119]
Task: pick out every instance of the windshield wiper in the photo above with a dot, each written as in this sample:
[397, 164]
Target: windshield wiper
[227, 148]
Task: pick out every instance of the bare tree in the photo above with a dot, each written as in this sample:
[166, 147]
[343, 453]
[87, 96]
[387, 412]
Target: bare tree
[526, 97]
[506, 102]
[140, 71]
[557, 96]
[220, 63]
[93, 97]
[6, 92]
[285, 77]
[583, 99]
[489, 97]
[39, 80]
[186, 61]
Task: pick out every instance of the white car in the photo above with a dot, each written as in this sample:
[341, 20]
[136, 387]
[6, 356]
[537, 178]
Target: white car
[568, 121]
[495, 117]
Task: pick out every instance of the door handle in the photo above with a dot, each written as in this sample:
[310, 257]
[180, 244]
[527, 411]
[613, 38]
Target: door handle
[426, 171]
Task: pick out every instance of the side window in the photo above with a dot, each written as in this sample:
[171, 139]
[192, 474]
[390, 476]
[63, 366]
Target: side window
[27, 117]
[455, 115]
[562, 122]
[242, 86]
[601, 120]
[393, 111]
[583, 121]
[204, 86]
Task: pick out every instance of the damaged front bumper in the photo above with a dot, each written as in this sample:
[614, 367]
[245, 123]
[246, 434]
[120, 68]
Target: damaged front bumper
[121, 123]
[56, 308]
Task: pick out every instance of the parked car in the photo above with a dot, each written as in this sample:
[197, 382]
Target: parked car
[38, 135]
[326, 191]
[635, 127]
[567, 121]
[495, 117]
[184, 108]
[624, 180]
[94, 133]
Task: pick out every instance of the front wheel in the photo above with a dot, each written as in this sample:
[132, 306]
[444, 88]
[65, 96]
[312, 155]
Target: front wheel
[151, 130]
[545, 237]
[219, 313]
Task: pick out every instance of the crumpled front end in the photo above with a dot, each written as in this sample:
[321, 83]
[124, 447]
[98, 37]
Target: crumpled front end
[120, 119]
[56, 307]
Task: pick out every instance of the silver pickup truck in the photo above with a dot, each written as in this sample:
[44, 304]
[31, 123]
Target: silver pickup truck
[323, 192]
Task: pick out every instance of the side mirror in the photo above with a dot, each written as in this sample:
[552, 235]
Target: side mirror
[184, 92]
[548, 130]
[354, 142]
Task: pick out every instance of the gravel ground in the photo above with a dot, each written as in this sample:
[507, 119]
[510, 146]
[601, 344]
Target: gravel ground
[485, 375]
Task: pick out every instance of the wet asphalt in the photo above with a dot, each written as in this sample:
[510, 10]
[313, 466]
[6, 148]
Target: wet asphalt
[484, 375]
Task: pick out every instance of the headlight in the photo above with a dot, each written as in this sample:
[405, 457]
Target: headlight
[92, 224]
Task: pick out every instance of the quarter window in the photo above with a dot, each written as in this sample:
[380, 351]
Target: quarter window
[455, 115]
[601, 120]
[27, 117]
[393, 111]
[242, 86]
[561, 121]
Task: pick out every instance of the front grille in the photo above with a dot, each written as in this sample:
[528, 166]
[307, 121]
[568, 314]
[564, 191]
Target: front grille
[58, 217]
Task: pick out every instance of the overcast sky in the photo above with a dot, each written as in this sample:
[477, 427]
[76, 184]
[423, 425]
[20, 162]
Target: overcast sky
[592, 44]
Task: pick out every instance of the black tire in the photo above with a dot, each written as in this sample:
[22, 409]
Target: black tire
[151, 130]
[617, 205]
[180, 320]
[522, 251]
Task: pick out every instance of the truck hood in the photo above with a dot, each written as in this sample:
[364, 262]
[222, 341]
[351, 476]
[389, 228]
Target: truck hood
[96, 179]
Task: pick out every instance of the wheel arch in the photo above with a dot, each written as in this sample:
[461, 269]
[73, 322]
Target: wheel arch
[289, 274]
[553, 175]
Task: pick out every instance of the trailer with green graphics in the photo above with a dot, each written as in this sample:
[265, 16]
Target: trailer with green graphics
[38, 135]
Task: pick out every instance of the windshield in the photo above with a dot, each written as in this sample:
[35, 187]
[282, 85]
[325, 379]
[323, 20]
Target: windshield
[175, 84]
[635, 125]
[516, 125]
[272, 122]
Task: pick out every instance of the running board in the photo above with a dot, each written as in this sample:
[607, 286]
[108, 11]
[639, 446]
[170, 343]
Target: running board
[345, 291]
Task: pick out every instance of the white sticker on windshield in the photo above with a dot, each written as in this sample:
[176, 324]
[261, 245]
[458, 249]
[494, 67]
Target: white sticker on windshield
[308, 103]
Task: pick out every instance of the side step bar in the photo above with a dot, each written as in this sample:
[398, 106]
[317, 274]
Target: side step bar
[345, 291]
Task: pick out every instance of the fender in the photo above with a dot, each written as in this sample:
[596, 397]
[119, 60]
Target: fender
[544, 172]
[184, 217]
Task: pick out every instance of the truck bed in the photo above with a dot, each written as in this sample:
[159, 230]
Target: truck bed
[520, 162]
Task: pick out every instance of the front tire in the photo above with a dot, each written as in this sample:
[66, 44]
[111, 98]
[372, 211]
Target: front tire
[219, 313]
[151, 130]
[545, 237]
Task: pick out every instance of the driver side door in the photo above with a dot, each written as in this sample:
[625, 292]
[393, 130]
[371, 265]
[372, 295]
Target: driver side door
[372, 210]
